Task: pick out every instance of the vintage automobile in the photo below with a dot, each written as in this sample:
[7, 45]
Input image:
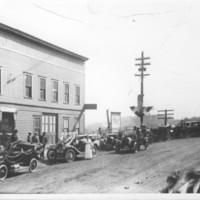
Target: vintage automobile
[127, 140]
[109, 142]
[69, 149]
[18, 155]
[187, 129]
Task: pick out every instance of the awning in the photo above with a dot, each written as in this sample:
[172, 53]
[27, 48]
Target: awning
[7, 109]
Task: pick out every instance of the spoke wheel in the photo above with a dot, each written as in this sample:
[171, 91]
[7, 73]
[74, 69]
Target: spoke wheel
[70, 155]
[51, 155]
[32, 165]
[3, 172]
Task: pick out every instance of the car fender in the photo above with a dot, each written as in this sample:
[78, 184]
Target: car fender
[53, 146]
[73, 148]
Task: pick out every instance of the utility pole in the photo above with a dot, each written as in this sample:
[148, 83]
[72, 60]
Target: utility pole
[165, 115]
[142, 69]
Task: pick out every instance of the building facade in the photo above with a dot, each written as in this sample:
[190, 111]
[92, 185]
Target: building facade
[42, 86]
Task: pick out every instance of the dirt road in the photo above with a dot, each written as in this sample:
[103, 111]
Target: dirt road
[144, 172]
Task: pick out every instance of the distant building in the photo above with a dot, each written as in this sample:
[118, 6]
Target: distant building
[42, 86]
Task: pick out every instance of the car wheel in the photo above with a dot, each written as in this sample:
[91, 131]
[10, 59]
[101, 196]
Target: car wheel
[3, 172]
[69, 155]
[32, 165]
[51, 155]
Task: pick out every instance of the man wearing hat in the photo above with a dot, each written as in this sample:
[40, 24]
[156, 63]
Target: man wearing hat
[35, 138]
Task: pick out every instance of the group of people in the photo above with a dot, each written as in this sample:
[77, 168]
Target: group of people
[32, 139]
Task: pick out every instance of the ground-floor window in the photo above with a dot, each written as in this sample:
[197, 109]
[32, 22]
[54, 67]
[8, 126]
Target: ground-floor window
[49, 125]
[77, 125]
[66, 124]
[37, 125]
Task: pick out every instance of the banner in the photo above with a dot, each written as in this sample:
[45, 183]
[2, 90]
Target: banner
[147, 109]
[136, 110]
[115, 121]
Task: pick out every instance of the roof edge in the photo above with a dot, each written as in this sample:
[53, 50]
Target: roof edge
[40, 41]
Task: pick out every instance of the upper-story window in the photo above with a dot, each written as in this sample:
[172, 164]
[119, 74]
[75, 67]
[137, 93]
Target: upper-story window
[55, 91]
[77, 92]
[28, 85]
[66, 93]
[42, 85]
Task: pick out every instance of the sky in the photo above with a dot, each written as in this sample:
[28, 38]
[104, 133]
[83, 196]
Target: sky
[112, 34]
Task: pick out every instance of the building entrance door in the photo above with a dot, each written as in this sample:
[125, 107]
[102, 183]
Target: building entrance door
[37, 126]
[49, 125]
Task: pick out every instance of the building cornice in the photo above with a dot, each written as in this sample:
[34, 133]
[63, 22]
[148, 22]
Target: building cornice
[38, 106]
[36, 40]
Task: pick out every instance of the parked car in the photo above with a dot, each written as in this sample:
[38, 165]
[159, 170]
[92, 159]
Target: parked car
[187, 129]
[109, 142]
[127, 140]
[19, 154]
[69, 149]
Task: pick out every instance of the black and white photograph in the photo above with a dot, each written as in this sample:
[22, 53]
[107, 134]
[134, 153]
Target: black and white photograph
[100, 97]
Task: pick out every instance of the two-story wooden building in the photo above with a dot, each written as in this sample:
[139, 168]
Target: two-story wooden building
[42, 86]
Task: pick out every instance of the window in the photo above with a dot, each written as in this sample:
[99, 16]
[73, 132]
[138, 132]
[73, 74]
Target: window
[28, 86]
[37, 125]
[55, 91]
[66, 124]
[77, 125]
[66, 93]
[77, 98]
[42, 83]
[0, 81]
[49, 123]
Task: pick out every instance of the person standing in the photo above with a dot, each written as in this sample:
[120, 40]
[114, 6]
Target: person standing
[88, 149]
[29, 139]
[14, 136]
[44, 142]
[35, 138]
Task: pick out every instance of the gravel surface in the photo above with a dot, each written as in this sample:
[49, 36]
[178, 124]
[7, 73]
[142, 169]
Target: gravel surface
[143, 172]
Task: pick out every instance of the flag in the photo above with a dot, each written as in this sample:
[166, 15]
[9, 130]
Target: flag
[147, 109]
[136, 110]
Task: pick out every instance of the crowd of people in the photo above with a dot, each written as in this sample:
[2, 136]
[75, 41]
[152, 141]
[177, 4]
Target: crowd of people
[66, 137]
[33, 139]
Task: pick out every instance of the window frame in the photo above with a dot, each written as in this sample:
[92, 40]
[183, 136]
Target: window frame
[64, 93]
[65, 118]
[77, 124]
[77, 95]
[31, 87]
[52, 89]
[45, 89]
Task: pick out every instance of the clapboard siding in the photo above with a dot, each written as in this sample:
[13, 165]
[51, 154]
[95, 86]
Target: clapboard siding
[21, 54]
